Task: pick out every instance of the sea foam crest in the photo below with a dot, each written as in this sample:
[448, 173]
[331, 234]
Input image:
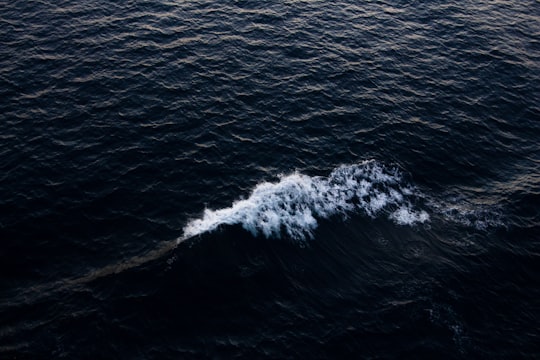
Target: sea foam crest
[292, 205]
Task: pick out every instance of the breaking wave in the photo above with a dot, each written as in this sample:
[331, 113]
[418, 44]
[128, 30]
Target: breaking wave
[292, 205]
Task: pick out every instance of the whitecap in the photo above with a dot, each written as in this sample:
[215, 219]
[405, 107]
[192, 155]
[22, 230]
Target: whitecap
[293, 205]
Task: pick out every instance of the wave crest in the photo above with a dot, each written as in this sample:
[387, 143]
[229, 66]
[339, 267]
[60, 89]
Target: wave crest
[292, 205]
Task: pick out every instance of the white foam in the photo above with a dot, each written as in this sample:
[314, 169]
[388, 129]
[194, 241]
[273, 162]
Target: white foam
[292, 205]
[404, 216]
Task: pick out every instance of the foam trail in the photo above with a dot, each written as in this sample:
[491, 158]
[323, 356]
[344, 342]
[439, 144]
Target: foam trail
[292, 205]
[482, 217]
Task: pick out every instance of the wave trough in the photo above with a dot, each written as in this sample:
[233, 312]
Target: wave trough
[292, 205]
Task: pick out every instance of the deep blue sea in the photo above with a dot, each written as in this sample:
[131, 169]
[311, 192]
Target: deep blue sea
[296, 179]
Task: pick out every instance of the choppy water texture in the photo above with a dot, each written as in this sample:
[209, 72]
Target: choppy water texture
[269, 179]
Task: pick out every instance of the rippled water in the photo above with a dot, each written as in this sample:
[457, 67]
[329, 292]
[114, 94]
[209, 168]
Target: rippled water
[346, 179]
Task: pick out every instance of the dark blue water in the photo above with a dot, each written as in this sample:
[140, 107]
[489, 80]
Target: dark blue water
[281, 180]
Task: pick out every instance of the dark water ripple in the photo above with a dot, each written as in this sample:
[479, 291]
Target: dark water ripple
[120, 122]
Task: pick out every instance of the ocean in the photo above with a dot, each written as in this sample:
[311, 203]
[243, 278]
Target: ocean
[296, 179]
